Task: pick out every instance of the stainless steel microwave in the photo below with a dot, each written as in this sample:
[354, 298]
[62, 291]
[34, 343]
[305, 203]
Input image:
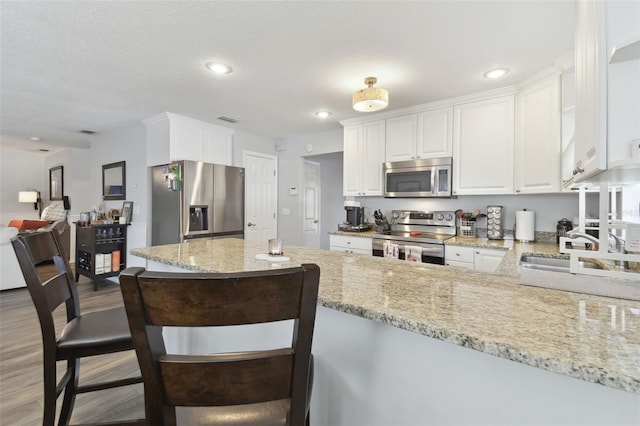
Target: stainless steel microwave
[418, 178]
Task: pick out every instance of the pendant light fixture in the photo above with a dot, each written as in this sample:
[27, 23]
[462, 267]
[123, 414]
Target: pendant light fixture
[370, 99]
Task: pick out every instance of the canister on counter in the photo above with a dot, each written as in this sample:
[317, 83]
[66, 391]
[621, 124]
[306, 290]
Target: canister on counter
[494, 222]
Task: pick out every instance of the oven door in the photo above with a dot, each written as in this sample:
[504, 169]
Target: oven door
[431, 253]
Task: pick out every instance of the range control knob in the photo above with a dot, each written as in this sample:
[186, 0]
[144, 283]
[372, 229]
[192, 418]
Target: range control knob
[449, 217]
[395, 215]
[440, 216]
[403, 215]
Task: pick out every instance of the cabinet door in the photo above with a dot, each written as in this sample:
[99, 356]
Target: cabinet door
[487, 260]
[537, 145]
[216, 147]
[185, 141]
[401, 138]
[352, 163]
[435, 133]
[373, 147]
[591, 94]
[458, 254]
[483, 147]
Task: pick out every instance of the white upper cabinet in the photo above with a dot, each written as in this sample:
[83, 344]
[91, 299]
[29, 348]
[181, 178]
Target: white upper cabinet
[171, 137]
[363, 157]
[401, 138]
[435, 133]
[590, 147]
[538, 137]
[483, 147]
[426, 134]
[623, 81]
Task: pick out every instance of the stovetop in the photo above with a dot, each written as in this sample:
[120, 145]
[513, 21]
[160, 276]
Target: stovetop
[420, 226]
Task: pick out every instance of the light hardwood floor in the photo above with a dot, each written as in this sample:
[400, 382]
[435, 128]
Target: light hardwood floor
[21, 396]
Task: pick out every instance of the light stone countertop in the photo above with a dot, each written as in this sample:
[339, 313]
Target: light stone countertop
[592, 338]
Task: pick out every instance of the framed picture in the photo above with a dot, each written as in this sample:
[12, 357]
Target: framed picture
[127, 210]
[56, 183]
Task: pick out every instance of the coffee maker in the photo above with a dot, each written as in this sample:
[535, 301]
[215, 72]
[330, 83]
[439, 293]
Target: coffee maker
[355, 215]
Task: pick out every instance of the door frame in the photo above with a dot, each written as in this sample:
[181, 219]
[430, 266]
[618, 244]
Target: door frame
[304, 199]
[245, 154]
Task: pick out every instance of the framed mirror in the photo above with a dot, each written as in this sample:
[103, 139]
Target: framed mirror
[56, 183]
[114, 181]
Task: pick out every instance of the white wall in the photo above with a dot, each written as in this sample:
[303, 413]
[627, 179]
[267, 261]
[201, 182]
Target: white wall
[18, 172]
[332, 202]
[290, 163]
[549, 208]
[243, 141]
[124, 144]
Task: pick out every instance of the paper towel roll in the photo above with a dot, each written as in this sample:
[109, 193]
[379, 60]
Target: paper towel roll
[525, 225]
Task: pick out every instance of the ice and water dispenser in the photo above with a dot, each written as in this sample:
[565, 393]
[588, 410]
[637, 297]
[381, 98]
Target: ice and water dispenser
[198, 218]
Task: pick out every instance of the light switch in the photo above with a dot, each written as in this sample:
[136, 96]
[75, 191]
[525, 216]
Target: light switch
[293, 191]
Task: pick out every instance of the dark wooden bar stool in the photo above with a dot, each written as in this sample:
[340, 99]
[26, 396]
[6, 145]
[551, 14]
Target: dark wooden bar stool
[94, 333]
[261, 387]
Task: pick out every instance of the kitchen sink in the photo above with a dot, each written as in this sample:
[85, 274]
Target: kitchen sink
[552, 264]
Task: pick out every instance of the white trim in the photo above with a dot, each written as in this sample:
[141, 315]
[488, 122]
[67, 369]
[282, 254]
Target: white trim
[175, 117]
[539, 77]
[479, 96]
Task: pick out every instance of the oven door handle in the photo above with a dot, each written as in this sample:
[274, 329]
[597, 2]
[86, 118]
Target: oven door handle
[437, 251]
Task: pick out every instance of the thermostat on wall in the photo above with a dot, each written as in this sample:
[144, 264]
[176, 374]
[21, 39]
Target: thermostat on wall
[293, 191]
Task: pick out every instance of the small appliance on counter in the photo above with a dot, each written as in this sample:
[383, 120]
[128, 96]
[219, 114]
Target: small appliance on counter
[525, 225]
[355, 219]
[494, 222]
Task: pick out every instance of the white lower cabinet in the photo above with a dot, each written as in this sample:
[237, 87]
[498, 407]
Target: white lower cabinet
[478, 259]
[348, 244]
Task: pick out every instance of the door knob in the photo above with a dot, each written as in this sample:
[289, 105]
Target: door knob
[251, 224]
[316, 221]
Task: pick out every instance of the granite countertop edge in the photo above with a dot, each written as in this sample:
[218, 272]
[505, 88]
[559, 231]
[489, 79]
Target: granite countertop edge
[583, 370]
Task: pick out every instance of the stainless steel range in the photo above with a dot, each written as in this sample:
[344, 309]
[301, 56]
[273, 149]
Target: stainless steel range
[427, 230]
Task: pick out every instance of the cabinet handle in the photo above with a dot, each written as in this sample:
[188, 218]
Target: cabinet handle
[477, 252]
[457, 254]
[517, 190]
[251, 224]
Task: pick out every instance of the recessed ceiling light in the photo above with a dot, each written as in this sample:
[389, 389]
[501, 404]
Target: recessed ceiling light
[496, 73]
[219, 67]
[323, 114]
[35, 139]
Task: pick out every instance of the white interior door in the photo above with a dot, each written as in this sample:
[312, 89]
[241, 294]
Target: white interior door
[311, 207]
[261, 197]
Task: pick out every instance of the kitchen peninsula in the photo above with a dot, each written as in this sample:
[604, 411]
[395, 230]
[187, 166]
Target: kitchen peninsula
[403, 343]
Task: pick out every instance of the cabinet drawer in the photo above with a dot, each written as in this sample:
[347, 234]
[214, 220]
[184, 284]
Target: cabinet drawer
[467, 265]
[458, 253]
[355, 243]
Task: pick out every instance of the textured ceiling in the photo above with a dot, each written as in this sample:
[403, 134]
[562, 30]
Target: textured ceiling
[69, 66]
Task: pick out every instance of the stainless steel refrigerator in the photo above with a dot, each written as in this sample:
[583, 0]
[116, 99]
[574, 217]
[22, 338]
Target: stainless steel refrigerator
[191, 199]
